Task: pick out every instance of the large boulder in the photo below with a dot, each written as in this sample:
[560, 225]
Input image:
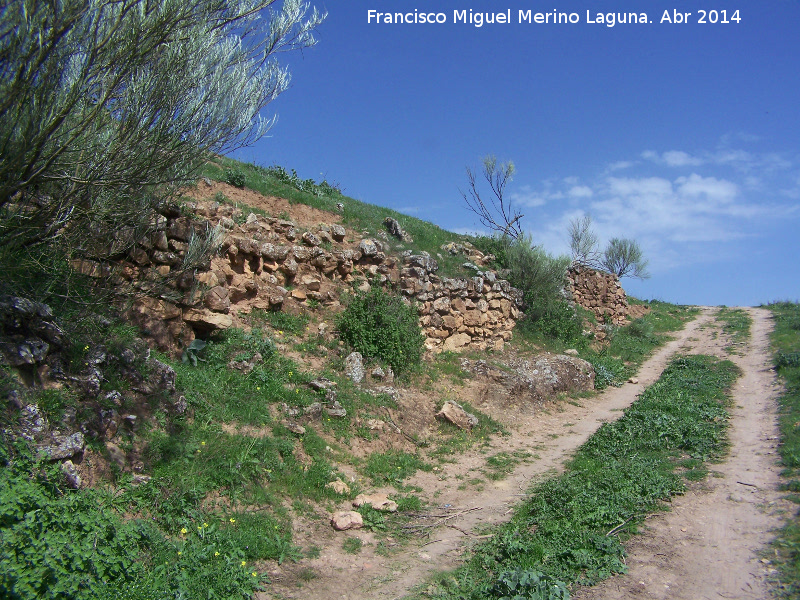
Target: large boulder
[532, 381]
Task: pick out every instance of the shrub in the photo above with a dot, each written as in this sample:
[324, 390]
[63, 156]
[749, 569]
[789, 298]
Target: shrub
[540, 276]
[624, 257]
[381, 326]
[554, 319]
[235, 177]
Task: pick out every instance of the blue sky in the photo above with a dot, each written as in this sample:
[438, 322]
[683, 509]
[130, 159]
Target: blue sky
[684, 136]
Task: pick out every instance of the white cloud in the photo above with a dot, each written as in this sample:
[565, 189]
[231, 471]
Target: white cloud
[673, 158]
[620, 165]
[526, 196]
[580, 191]
[676, 158]
[716, 190]
[722, 201]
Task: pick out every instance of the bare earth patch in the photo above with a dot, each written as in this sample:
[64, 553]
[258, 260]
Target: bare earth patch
[708, 542]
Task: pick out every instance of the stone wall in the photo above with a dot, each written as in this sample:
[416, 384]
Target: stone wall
[599, 293]
[478, 312]
[270, 263]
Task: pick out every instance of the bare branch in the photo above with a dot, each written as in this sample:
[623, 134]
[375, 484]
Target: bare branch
[496, 213]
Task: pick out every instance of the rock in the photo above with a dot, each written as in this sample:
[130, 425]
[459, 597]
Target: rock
[378, 373]
[64, 446]
[394, 229]
[354, 367]
[347, 519]
[312, 282]
[375, 424]
[571, 352]
[71, 474]
[457, 342]
[162, 376]
[388, 390]
[455, 414]
[246, 366]
[377, 501]
[311, 239]
[522, 381]
[294, 427]
[633, 380]
[32, 423]
[116, 454]
[299, 294]
[321, 383]
[313, 410]
[338, 232]
[217, 299]
[26, 352]
[336, 410]
[114, 397]
[205, 320]
[181, 405]
[338, 486]
[368, 247]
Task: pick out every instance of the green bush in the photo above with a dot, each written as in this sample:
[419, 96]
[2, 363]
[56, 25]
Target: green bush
[235, 177]
[554, 318]
[540, 276]
[381, 326]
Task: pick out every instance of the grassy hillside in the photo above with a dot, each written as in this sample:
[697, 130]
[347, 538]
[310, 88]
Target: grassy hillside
[215, 476]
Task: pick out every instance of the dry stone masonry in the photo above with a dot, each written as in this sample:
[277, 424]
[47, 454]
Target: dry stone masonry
[598, 292]
[270, 263]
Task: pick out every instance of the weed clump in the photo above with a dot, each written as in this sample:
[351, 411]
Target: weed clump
[381, 326]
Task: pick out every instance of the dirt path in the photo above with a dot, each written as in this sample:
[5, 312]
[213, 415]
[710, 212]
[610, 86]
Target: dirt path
[708, 546]
[552, 437]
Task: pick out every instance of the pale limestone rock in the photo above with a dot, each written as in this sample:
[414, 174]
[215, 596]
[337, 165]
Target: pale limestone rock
[347, 519]
[455, 414]
[377, 501]
[338, 486]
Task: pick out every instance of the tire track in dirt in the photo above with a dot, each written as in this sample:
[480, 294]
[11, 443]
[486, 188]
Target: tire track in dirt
[370, 576]
[707, 546]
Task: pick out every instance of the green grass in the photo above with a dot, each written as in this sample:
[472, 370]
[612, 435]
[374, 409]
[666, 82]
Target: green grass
[352, 545]
[736, 324]
[631, 345]
[571, 527]
[786, 345]
[500, 465]
[393, 467]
